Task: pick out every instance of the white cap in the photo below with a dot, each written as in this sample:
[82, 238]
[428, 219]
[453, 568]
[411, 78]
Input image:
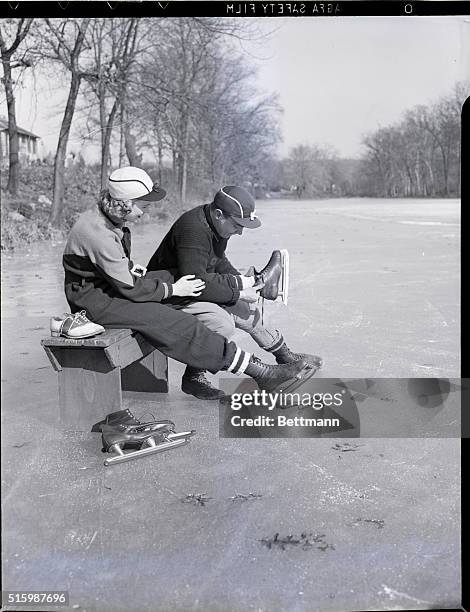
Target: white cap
[132, 183]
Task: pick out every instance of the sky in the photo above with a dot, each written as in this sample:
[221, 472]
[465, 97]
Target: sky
[338, 78]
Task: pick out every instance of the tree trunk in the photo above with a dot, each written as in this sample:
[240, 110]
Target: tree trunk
[59, 161]
[431, 176]
[105, 153]
[160, 159]
[122, 139]
[1, 166]
[102, 103]
[179, 177]
[417, 173]
[184, 178]
[134, 158]
[445, 169]
[14, 162]
[183, 160]
[173, 164]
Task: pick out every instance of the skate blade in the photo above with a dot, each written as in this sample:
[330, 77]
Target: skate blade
[284, 288]
[305, 374]
[174, 440]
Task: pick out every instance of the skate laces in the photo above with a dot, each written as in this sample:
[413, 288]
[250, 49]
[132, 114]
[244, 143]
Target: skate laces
[145, 414]
[261, 299]
[201, 378]
[198, 377]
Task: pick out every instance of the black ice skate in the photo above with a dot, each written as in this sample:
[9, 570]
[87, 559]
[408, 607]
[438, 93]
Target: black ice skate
[286, 377]
[160, 428]
[275, 277]
[126, 418]
[116, 418]
[285, 355]
[149, 438]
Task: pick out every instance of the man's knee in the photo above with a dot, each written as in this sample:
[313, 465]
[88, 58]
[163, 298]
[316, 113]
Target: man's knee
[247, 320]
[214, 317]
[221, 322]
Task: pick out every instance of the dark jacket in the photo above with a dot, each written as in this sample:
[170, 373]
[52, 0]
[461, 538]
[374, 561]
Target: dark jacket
[192, 246]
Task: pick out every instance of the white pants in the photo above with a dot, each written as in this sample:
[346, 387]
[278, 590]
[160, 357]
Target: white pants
[245, 316]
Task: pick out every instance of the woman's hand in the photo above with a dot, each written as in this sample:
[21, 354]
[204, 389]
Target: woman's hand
[186, 287]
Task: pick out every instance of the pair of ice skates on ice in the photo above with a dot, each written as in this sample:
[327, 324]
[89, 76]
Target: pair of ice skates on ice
[124, 437]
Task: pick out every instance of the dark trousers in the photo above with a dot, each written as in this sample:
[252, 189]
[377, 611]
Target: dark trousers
[176, 334]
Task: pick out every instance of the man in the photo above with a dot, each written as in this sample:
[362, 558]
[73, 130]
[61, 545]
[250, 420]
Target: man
[99, 279]
[196, 244]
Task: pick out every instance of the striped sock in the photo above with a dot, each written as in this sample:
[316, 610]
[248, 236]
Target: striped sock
[239, 362]
[276, 346]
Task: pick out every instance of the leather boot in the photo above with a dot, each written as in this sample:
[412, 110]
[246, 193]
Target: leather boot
[270, 276]
[285, 355]
[195, 383]
[121, 417]
[270, 377]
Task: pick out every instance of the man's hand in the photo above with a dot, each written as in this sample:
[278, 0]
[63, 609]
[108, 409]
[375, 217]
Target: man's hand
[250, 294]
[185, 287]
[247, 281]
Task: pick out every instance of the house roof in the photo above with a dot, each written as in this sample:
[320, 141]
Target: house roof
[4, 128]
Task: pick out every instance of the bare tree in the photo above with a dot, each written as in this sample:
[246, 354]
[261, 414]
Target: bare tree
[199, 105]
[420, 155]
[308, 168]
[237, 127]
[65, 43]
[12, 33]
[115, 46]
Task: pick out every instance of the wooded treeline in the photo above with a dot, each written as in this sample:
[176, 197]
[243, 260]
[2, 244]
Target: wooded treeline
[417, 157]
[420, 156]
[179, 88]
[182, 90]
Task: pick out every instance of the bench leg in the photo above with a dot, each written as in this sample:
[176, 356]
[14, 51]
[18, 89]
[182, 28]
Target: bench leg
[146, 377]
[85, 397]
[89, 388]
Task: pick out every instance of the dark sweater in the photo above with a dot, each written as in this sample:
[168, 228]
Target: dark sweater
[192, 246]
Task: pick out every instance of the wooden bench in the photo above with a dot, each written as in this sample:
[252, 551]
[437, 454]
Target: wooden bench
[96, 373]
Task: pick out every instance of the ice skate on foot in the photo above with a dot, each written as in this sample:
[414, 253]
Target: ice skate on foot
[285, 355]
[275, 277]
[285, 377]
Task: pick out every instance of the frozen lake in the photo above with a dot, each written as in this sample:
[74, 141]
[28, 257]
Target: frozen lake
[375, 291]
[375, 284]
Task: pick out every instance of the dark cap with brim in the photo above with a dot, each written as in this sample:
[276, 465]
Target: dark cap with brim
[239, 204]
[247, 222]
[155, 195]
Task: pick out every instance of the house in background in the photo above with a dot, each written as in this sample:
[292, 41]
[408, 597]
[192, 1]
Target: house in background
[28, 143]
